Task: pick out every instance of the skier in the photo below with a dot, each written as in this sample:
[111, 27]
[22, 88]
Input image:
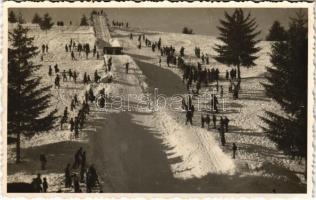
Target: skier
[46, 47]
[66, 48]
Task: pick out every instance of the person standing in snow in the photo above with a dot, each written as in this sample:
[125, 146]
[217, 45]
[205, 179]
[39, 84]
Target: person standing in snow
[75, 76]
[43, 48]
[46, 47]
[222, 91]
[72, 105]
[56, 68]
[222, 134]
[70, 74]
[67, 176]
[214, 121]
[76, 128]
[76, 184]
[234, 150]
[64, 75]
[57, 82]
[50, 70]
[94, 50]
[77, 158]
[73, 55]
[202, 121]
[126, 67]
[189, 117]
[72, 124]
[96, 76]
[45, 185]
[208, 120]
[66, 113]
[226, 121]
[38, 183]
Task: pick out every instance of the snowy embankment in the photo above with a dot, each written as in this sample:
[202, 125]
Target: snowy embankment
[56, 38]
[199, 151]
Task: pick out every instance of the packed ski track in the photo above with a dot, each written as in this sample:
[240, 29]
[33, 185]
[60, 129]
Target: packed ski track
[136, 149]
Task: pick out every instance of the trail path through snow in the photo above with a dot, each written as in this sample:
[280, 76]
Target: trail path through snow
[136, 148]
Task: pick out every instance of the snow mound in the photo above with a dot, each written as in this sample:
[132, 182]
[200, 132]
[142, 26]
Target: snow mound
[196, 148]
[51, 137]
[54, 180]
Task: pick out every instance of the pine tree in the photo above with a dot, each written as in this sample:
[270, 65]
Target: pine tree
[12, 17]
[288, 87]
[84, 21]
[46, 23]
[237, 34]
[27, 100]
[36, 19]
[276, 32]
